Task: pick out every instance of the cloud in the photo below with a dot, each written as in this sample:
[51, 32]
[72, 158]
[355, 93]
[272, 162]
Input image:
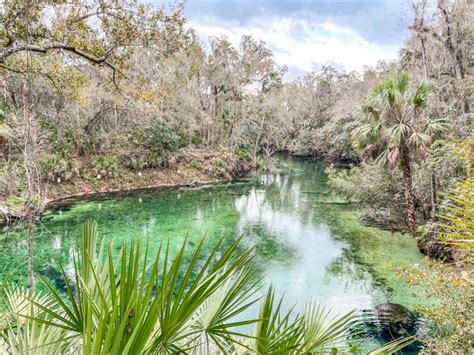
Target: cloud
[379, 21]
[300, 43]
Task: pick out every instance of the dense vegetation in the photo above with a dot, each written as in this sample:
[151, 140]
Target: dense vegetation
[105, 90]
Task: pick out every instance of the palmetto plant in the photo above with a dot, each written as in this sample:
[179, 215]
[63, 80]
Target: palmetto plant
[129, 305]
[397, 130]
[456, 225]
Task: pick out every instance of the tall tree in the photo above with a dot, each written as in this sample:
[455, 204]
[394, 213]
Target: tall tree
[398, 130]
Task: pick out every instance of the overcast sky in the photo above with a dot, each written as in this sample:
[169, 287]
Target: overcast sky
[305, 34]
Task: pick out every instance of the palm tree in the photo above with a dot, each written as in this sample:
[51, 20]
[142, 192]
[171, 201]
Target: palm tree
[397, 130]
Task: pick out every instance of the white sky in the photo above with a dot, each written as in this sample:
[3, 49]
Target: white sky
[306, 34]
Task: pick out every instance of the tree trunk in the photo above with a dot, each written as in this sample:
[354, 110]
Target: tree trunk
[408, 189]
[31, 243]
[434, 195]
[260, 130]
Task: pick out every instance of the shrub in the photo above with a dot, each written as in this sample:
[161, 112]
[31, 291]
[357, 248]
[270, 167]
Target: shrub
[105, 165]
[146, 161]
[56, 169]
[10, 178]
[135, 163]
[63, 143]
[262, 165]
[375, 187]
[219, 167]
[163, 138]
[451, 289]
[196, 139]
[243, 153]
[3, 110]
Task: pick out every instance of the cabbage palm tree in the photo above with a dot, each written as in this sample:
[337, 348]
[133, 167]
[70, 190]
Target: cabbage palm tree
[397, 130]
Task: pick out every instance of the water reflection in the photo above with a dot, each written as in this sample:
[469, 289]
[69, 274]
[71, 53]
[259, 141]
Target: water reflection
[311, 273]
[306, 248]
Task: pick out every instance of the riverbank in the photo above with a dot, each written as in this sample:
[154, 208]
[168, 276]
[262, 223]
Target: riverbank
[186, 167]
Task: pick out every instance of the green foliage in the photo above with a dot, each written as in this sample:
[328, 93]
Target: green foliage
[219, 167]
[440, 149]
[57, 169]
[277, 333]
[457, 214]
[32, 335]
[262, 164]
[451, 285]
[15, 202]
[3, 110]
[243, 153]
[146, 161]
[375, 188]
[397, 130]
[105, 165]
[63, 144]
[140, 305]
[452, 317]
[226, 116]
[163, 138]
[457, 227]
[197, 139]
[395, 121]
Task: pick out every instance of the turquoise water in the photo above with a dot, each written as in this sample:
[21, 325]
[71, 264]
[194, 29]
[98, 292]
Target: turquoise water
[308, 247]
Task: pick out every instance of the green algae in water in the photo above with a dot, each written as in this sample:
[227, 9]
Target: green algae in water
[307, 249]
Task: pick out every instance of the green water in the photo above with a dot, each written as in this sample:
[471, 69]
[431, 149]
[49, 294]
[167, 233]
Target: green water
[306, 248]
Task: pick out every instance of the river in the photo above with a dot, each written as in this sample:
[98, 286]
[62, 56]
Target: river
[307, 247]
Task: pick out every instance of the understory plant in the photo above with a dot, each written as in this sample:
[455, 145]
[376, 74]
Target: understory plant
[146, 161]
[456, 225]
[56, 168]
[451, 284]
[105, 165]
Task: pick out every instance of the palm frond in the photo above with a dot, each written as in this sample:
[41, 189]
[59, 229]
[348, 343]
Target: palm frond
[419, 140]
[323, 332]
[456, 226]
[28, 329]
[401, 83]
[366, 135]
[437, 126]
[139, 303]
[217, 318]
[277, 332]
[399, 133]
[141, 307]
[420, 95]
[393, 346]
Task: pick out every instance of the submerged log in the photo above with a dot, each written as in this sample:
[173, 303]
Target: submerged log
[317, 192]
[342, 203]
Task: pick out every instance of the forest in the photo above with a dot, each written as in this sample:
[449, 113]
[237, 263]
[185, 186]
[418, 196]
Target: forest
[101, 97]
